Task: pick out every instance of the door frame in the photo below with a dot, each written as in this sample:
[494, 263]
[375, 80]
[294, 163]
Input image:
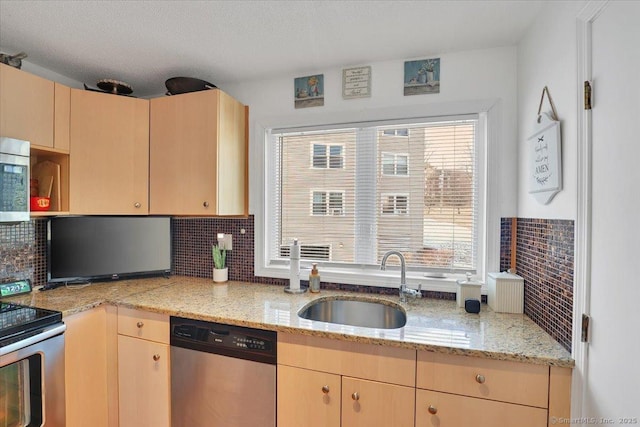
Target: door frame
[582, 268]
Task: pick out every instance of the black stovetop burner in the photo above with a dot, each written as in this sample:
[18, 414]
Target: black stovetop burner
[17, 319]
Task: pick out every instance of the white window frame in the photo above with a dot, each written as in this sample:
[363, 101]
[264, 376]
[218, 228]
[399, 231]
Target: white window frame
[327, 155]
[327, 202]
[395, 163]
[383, 198]
[263, 179]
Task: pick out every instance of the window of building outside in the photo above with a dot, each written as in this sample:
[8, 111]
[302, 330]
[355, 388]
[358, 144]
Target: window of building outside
[411, 186]
[395, 164]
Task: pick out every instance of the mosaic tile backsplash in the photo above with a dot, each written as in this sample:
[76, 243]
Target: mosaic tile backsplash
[544, 258]
[193, 237]
[23, 251]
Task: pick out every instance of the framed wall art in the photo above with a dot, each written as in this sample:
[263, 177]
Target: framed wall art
[356, 82]
[422, 76]
[309, 91]
[545, 164]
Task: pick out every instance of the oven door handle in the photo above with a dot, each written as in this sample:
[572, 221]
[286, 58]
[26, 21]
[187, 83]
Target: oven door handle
[46, 333]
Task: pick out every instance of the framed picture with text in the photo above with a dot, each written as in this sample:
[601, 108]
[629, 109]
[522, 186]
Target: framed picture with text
[356, 82]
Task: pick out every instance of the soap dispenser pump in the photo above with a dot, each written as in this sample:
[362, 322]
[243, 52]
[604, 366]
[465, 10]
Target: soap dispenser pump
[314, 278]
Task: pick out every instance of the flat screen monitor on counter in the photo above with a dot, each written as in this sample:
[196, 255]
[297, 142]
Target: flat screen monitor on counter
[85, 248]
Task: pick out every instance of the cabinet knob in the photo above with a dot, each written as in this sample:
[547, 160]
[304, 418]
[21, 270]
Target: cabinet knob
[480, 379]
[139, 324]
[137, 204]
[156, 357]
[205, 204]
[325, 389]
[355, 396]
[432, 410]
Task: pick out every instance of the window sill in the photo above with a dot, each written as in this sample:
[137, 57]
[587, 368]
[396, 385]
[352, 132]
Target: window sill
[370, 277]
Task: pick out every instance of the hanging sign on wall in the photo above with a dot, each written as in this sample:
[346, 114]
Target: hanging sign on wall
[545, 156]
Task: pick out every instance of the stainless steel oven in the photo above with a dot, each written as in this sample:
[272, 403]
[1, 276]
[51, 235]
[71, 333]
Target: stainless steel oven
[31, 367]
[14, 180]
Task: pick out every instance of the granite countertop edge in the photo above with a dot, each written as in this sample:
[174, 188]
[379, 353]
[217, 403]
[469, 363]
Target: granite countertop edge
[562, 362]
[195, 301]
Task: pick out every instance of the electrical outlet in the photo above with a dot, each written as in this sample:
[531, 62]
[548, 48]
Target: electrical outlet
[225, 241]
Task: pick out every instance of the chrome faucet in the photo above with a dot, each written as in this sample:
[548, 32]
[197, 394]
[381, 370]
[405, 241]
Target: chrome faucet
[404, 290]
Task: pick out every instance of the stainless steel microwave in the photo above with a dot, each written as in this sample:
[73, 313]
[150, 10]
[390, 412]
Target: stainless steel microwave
[14, 180]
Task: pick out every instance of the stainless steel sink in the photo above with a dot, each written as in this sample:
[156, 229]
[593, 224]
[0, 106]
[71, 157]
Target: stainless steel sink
[356, 312]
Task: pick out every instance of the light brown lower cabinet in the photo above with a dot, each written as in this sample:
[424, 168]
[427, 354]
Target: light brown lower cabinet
[321, 399]
[90, 368]
[309, 398]
[335, 383]
[143, 369]
[143, 378]
[370, 403]
[451, 410]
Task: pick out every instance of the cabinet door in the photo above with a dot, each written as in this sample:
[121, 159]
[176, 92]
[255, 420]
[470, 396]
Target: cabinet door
[308, 398]
[109, 154]
[198, 155]
[86, 369]
[143, 383]
[184, 154]
[450, 410]
[370, 403]
[26, 106]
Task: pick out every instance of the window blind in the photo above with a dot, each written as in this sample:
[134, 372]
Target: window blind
[360, 191]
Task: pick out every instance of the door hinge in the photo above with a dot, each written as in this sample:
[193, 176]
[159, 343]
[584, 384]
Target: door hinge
[587, 95]
[584, 336]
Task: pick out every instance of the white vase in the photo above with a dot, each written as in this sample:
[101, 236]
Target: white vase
[221, 274]
[430, 76]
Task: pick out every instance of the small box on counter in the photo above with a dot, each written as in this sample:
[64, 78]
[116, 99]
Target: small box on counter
[468, 289]
[505, 292]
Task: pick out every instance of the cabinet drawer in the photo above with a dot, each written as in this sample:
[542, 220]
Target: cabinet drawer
[373, 362]
[505, 381]
[143, 324]
[452, 411]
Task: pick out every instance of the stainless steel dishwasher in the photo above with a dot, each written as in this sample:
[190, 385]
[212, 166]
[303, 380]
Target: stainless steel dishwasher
[222, 375]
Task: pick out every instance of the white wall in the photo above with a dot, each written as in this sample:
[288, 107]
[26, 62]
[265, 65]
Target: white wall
[46, 73]
[547, 57]
[479, 75]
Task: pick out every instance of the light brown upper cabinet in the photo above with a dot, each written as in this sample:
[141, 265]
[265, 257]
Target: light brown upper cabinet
[26, 106]
[198, 155]
[109, 145]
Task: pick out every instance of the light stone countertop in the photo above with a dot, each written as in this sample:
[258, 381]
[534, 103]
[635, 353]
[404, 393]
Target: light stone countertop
[432, 325]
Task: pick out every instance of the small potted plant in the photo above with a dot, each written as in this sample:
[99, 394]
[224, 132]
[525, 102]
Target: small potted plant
[220, 269]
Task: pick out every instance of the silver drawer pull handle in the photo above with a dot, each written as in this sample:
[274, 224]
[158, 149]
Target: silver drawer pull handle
[480, 379]
[139, 324]
[355, 396]
[325, 389]
[137, 204]
[205, 204]
[433, 410]
[156, 357]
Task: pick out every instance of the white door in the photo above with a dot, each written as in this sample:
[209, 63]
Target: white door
[612, 375]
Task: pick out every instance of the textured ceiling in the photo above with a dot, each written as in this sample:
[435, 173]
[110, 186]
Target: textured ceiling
[144, 43]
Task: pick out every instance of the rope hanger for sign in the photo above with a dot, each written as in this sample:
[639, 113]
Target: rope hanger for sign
[554, 115]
